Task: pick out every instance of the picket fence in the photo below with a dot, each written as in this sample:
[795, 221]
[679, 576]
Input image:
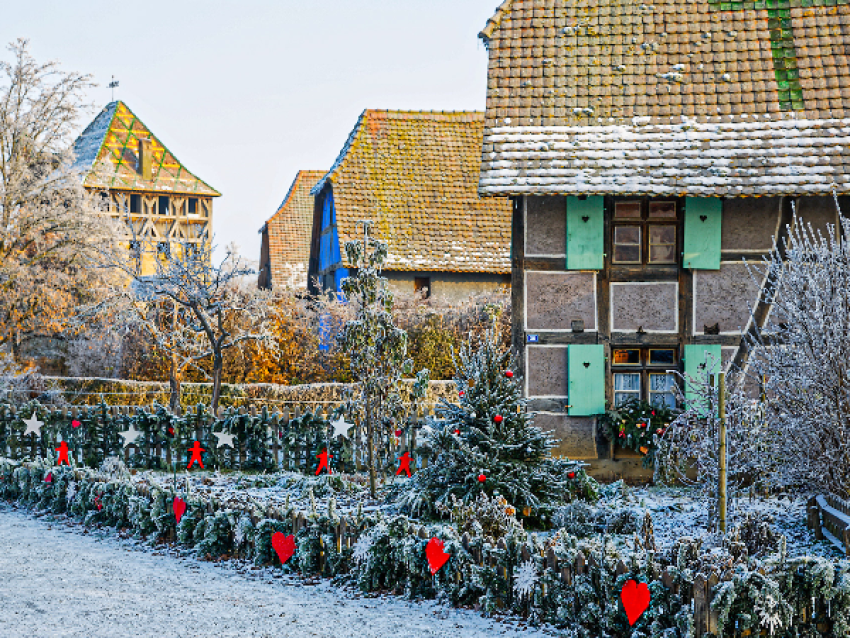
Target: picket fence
[346, 533]
[263, 440]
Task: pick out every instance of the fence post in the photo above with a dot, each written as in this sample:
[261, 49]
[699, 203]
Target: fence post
[721, 488]
[700, 606]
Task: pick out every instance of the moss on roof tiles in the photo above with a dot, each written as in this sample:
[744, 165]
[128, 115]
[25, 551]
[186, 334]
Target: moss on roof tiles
[107, 152]
[727, 71]
[416, 175]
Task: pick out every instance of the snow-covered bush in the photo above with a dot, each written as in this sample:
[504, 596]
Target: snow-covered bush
[802, 357]
[485, 516]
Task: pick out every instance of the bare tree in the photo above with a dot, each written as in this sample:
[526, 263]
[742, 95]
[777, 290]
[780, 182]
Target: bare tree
[49, 227]
[802, 357]
[190, 308]
[689, 447]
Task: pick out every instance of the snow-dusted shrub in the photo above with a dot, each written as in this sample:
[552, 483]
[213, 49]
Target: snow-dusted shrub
[217, 538]
[264, 553]
[802, 356]
[485, 516]
[578, 519]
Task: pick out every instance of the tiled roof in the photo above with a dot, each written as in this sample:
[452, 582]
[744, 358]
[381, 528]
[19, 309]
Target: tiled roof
[674, 97]
[416, 174]
[107, 153]
[289, 231]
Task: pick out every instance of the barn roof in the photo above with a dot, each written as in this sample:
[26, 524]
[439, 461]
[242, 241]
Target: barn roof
[667, 97]
[415, 173]
[294, 221]
[107, 153]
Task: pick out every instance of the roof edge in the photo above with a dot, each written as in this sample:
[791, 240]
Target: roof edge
[494, 22]
[340, 159]
[117, 102]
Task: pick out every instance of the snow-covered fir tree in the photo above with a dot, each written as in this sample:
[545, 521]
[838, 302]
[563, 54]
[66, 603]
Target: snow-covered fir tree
[487, 443]
[377, 350]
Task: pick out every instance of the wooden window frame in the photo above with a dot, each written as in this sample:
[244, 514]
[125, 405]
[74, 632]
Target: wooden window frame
[644, 224]
[644, 368]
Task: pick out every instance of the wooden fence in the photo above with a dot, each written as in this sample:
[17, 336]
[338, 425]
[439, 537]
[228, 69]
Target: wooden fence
[262, 440]
[829, 517]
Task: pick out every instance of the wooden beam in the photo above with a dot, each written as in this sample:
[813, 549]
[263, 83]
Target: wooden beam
[518, 280]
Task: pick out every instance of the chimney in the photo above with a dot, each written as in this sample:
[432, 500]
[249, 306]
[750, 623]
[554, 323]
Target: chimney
[145, 158]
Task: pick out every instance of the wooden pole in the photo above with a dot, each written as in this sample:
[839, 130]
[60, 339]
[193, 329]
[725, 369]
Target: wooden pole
[721, 488]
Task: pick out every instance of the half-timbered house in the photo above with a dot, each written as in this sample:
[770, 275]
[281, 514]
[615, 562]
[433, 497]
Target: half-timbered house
[650, 151]
[141, 181]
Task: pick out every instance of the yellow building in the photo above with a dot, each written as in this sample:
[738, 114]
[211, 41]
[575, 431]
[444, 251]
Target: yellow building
[140, 180]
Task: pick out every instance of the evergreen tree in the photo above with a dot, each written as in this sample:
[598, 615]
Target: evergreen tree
[487, 443]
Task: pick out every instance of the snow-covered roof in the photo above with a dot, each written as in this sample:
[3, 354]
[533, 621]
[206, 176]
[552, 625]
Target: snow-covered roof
[107, 154]
[415, 173]
[702, 98]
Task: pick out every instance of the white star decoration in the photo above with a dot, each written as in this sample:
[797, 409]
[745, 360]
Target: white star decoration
[130, 435]
[224, 439]
[33, 425]
[340, 428]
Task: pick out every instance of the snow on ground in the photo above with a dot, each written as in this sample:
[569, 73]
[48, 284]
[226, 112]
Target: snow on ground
[58, 580]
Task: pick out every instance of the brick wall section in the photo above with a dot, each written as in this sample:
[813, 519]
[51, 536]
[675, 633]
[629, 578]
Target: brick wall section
[286, 236]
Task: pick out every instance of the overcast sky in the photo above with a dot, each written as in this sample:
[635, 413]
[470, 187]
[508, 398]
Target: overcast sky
[247, 92]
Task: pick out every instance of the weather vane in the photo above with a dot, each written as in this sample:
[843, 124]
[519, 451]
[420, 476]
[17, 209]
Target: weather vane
[113, 85]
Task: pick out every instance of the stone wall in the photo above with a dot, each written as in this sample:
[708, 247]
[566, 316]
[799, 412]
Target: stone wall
[82, 390]
[449, 286]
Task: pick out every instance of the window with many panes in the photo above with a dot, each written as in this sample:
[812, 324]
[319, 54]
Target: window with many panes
[645, 374]
[645, 232]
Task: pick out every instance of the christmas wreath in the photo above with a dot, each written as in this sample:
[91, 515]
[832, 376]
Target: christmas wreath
[637, 425]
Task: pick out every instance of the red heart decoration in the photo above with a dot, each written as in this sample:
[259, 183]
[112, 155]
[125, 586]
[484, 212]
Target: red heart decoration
[435, 554]
[49, 478]
[284, 546]
[75, 423]
[635, 597]
[179, 506]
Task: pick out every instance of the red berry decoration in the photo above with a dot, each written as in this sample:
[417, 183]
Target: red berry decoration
[509, 374]
[571, 475]
[170, 431]
[498, 418]
[398, 433]
[481, 478]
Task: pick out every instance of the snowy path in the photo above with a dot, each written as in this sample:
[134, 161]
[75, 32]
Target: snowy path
[56, 582]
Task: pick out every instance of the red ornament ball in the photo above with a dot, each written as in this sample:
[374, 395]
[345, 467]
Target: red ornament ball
[498, 418]
[659, 431]
[509, 374]
[462, 393]
[457, 431]
[481, 478]
[170, 431]
[398, 433]
[571, 475]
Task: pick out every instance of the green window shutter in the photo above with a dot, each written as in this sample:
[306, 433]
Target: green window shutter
[702, 233]
[585, 233]
[697, 359]
[586, 373]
